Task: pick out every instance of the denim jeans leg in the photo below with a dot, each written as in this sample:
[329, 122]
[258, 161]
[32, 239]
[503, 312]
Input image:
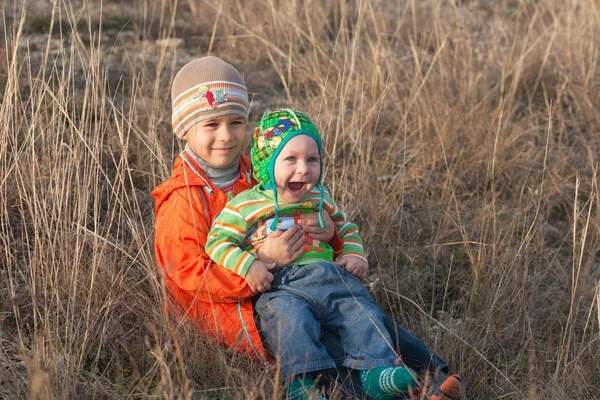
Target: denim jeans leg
[292, 333]
[347, 377]
[413, 351]
[352, 313]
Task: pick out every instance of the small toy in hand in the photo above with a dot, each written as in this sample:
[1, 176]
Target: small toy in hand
[283, 223]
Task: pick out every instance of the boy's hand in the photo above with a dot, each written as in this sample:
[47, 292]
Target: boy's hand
[310, 225]
[259, 276]
[353, 265]
[283, 248]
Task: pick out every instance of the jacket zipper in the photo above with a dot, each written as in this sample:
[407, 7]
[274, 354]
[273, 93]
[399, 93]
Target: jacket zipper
[189, 163]
[245, 328]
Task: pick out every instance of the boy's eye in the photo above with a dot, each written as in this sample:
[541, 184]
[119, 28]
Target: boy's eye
[291, 158]
[236, 122]
[313, 159]
[212, 124]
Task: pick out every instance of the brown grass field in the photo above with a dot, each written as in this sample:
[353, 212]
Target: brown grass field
[462, 135]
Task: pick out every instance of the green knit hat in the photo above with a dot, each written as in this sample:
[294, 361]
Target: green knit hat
[271, 134]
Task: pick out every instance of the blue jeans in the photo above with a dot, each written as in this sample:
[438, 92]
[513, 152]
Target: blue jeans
[413, 352]
[307, 300]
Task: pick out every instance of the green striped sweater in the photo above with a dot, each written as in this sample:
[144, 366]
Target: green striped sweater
[242, 226]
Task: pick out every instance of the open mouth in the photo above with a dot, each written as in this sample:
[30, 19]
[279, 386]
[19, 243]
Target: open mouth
[296, 186]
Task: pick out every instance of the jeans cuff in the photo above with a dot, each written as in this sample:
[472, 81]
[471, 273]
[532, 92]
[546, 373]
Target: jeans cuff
[312, 366]
[363, 365]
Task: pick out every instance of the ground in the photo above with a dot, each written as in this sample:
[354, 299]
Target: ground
[462, 137]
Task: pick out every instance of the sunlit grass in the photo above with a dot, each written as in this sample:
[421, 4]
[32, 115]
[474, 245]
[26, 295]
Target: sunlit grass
[461, 136]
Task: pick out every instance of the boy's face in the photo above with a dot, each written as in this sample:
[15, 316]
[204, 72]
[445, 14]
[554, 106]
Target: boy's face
[297, 169]
[218, 140]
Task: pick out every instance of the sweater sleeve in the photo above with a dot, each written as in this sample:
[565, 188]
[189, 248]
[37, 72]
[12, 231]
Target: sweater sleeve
[347, 230]
[225, 238]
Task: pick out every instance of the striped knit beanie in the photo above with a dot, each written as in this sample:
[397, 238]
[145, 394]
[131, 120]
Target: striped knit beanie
[205, 88]
[271, 134]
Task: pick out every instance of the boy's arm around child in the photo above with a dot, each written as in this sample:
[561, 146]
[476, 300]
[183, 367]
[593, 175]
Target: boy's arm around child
[181, 229]
[224, 247]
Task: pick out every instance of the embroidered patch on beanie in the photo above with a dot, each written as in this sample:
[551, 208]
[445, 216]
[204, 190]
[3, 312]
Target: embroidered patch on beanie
[207, 88]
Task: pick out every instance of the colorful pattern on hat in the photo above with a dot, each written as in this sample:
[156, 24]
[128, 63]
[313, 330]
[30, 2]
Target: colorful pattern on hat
[272, 132]
[274, 129]
[207, 88]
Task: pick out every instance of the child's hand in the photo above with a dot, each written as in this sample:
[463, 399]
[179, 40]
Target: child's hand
[353, 265]
[310, 225]
[283, 248]
[259, 276]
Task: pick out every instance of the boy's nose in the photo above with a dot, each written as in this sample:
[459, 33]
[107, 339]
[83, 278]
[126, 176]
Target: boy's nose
[301, 167]
[224, 134]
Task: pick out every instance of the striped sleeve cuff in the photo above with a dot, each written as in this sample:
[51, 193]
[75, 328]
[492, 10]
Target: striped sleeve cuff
[245, 264]
[361, 256]
[238, 261]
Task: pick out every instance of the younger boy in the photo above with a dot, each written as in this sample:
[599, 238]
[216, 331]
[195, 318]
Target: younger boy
[312, 292]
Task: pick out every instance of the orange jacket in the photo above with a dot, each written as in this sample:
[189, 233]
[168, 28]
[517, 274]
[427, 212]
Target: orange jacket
[218, 301]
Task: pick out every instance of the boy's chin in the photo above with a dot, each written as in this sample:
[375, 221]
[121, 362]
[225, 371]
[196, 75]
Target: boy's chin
[291, 198]
[297, 197]
[222, 162]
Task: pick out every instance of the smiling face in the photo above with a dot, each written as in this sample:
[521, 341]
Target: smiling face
[219, 140]
[297, 169]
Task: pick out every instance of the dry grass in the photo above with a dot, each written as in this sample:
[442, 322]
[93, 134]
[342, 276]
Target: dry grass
[462, 136]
